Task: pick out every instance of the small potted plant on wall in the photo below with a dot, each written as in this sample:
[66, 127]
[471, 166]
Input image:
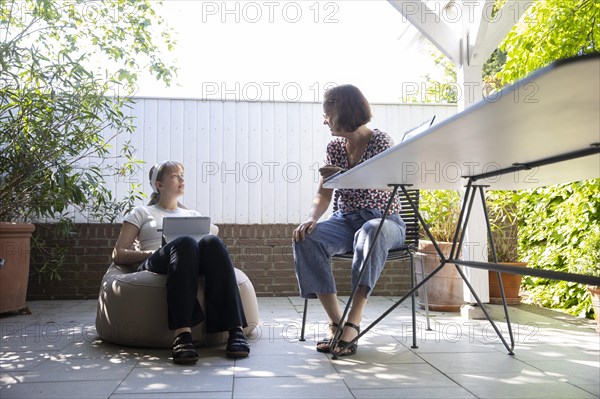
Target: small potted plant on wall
[440, 210]
[502, 209]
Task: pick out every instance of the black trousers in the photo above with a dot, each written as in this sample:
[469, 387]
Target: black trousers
[183, 260]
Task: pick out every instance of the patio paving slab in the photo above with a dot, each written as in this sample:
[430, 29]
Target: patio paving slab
[55, 353]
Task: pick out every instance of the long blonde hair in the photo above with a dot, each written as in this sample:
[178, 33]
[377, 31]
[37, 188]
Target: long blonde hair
[163, 167]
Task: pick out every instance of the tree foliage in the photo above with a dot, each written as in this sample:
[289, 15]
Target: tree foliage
[550, 30]
[441, 88]
[67, 70]
[558, 223]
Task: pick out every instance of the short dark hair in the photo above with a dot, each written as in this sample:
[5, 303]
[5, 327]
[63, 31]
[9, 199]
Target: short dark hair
[346, 107]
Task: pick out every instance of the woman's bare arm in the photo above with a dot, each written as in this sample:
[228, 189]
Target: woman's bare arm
[124, 251]
[319, 207]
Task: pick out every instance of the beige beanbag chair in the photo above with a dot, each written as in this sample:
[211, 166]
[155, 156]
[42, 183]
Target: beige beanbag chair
[132, 309]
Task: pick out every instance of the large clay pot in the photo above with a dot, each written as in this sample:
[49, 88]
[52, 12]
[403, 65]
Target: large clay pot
[510, 282]
[15, 241]
[445, 288]
[595, 292]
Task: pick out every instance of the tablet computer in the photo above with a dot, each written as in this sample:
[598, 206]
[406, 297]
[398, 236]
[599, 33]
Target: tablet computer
[193, 226]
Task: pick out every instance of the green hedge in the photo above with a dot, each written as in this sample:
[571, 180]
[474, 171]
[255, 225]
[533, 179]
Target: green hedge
[559, 229]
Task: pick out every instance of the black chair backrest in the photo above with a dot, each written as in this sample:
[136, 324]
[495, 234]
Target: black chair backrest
[406, 213]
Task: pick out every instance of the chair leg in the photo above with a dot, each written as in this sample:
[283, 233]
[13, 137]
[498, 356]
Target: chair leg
[424, 290]
[413, 299]
[303, 320]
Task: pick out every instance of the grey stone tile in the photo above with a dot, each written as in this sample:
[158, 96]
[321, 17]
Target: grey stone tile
[180, 379]
[543, 352]
[577, 372]
[413, 393]
[299, 301]
[358, 374]
[97, 348]
[57, 370]
[6, 379]
[285, 366]
[285, 328]
[25, 361]
[208, 356]
[53, 311]
[265, 346]
[476, 363]
[593, 388]
[433, 345]
[175, 395]
[381, 351]
[525, 384]
[61, 390]
[309, 387]
[44, 336]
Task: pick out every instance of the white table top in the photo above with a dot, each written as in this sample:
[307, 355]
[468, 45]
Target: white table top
[554, 111]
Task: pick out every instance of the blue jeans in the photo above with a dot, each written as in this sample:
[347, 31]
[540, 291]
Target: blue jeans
[341, 233]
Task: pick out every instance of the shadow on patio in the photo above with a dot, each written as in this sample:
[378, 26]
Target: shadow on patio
[54, 352]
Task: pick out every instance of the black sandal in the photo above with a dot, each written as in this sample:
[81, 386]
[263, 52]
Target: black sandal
[350, 350]
[237, 346]
[323, 345]
[184, 351]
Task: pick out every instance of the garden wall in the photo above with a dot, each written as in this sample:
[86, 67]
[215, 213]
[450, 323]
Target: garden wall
[263, 252]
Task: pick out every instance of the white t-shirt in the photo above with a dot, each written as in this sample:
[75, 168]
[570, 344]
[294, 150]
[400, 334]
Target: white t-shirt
[149, 220]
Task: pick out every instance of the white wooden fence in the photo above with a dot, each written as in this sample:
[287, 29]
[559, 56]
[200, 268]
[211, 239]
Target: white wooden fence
[248, 162]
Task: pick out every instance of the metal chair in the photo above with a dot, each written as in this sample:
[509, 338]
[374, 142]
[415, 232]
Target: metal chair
[408, 250]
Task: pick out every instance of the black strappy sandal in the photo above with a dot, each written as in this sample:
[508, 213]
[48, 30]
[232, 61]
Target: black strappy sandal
[323, 345]
[350, 350]
[184, 351]
[237, 345]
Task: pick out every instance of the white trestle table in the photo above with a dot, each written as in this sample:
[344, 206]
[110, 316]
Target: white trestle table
[543, 130]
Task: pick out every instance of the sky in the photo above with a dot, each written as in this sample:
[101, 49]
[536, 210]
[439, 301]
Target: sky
[288, 50]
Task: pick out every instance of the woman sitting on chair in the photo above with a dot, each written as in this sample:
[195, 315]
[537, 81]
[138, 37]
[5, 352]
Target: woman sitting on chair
[353, 226]
[183, 260]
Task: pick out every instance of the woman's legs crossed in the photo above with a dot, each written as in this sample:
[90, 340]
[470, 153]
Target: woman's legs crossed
[391, 236]
[312, 256]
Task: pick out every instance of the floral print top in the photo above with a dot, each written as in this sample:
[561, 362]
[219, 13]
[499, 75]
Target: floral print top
[349, 200]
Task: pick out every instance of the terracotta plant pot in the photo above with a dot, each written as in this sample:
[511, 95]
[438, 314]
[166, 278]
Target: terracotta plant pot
[510, 282]
[595, 293]
[445, 289]
[15, 239]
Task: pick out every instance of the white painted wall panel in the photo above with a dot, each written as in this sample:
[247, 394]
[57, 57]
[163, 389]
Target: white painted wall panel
[248, 162]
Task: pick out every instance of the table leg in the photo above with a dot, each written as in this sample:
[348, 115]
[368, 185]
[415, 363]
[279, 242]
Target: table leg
[470, 194]
[458, 242]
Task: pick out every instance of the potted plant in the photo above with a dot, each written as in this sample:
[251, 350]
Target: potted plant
[502, 210]
[14, 265]
[60, 115]
[440, 210]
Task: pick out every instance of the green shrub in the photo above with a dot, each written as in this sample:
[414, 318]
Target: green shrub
[559, 231]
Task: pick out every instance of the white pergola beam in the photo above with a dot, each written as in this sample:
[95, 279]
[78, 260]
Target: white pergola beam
[477, 29]
[432, 26]
[492, 31]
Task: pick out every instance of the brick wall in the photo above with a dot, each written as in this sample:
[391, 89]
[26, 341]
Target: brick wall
[263, 252]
